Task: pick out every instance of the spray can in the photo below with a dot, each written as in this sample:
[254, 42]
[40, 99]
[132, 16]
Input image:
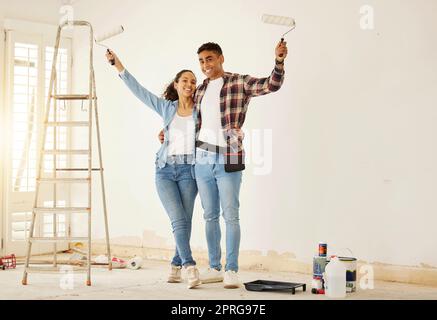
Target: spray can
[319, 264]
[323, 249]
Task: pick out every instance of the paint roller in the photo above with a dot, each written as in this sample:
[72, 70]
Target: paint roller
[280, 20]
[104, 36]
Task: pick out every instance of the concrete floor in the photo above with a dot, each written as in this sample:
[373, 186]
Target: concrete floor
[150, 283]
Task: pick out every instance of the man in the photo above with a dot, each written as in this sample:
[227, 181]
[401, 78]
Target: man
[220, 108]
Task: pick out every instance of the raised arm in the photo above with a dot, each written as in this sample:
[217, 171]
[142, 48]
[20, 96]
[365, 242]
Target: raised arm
[148, 98]
[259, 86]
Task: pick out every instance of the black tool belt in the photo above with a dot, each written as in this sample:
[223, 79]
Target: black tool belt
[233, 161]
[210, 147]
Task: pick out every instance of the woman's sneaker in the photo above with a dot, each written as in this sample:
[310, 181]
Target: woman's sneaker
[175, 275]
[211, 275]
[231, 280]
[193, 277]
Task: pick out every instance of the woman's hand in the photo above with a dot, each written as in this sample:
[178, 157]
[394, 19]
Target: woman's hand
[110, 55]
[161, 136]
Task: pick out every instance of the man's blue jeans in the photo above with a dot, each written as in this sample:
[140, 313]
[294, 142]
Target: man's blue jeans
[218, 188]
[177, 190]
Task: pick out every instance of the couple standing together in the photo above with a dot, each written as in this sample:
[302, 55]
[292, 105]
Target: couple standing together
[202, 152]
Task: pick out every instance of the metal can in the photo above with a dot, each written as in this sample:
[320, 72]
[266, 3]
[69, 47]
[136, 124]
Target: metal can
[319, 264]
[323, 249]
[351, 273]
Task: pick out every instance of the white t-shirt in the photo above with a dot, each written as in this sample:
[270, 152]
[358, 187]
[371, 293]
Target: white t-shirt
[181, 135]
[211, 130]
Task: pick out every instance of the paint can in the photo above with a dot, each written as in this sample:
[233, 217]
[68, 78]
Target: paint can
[323, 249]
[319, 264]
[135, 263]
[317, 283]
[351, 273]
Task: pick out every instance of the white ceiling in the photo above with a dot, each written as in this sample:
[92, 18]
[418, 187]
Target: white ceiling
[43, 11]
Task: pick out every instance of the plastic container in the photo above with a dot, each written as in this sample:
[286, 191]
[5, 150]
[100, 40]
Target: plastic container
[135, 263]
[350, 264]
[335, 278]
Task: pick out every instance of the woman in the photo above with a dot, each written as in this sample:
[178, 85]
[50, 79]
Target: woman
[175, 181]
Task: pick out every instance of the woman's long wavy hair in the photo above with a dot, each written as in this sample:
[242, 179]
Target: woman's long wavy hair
[170, 92]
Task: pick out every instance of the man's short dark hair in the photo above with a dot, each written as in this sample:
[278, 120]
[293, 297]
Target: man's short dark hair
[210, 46]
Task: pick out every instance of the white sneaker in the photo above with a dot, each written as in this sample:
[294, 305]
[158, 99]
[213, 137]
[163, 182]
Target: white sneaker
[231, 280]
[211, 275]
[193, 277]
[175, 275]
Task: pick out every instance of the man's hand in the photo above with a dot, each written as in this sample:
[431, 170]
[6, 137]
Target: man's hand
[118, 65]
[161, 136]
[281, 49]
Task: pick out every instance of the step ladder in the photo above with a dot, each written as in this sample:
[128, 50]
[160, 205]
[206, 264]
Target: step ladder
[52, 102]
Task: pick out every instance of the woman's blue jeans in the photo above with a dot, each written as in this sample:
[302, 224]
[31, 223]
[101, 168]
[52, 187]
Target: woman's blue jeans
[177, 190]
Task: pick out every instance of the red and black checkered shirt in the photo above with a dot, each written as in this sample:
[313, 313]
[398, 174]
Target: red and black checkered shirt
[234, 99]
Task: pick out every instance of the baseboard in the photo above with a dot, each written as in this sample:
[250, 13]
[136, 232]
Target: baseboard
[274, 262]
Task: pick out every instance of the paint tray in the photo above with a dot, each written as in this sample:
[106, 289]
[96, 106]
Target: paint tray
[265, 285]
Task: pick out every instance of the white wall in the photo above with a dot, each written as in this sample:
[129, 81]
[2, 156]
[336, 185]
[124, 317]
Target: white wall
[353, 125]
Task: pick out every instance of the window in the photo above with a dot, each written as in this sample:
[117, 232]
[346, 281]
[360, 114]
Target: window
[61, 86]
[20, 225]
[29, 58]
[24, 109]
[48, 221]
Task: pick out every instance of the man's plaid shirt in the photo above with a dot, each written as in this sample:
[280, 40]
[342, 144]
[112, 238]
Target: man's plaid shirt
[234, 99]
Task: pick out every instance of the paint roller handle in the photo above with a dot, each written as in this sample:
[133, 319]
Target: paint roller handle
[110, 56]
[281, 55]
[111, 61]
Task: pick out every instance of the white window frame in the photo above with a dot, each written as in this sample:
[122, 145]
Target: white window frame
[47, 34]
[2, 136]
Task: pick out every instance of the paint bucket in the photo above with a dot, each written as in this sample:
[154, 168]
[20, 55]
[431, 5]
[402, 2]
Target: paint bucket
[351, 273]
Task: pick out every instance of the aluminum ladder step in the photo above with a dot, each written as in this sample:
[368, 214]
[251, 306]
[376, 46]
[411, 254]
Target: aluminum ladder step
[63, 180]
[66, 152]
[61, 210]
[59, 239]
[78, 169]
[56, 269]
[68, 124]
[72, 97]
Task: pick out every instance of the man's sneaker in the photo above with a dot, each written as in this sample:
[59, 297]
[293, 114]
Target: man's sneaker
[231, 280]
[175, 275]
[211, 275]
[193, 277]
